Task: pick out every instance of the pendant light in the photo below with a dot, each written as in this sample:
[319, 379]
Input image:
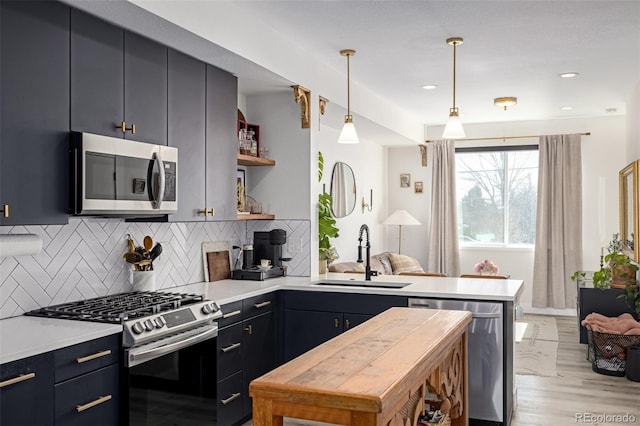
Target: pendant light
[453, 129]
[348, 133]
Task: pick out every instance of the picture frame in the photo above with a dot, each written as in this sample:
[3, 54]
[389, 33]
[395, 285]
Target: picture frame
[418, 187]
[405, 180]
[241, 186]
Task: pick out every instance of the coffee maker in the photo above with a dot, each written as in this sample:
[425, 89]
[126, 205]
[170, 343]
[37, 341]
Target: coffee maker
[266, 245]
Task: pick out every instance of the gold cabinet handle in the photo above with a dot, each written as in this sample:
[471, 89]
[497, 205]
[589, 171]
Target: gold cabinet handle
[100, 400]
[80, 360]
[249, 329]
[123, 127]
[208, 212]
[231, 398]
[231, 314]
[20, 378]
[6, 210]
[230, 348]
[346, 324]
[262, 304]
[336, 322]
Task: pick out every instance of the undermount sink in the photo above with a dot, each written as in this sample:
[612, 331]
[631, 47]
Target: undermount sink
[354, 283]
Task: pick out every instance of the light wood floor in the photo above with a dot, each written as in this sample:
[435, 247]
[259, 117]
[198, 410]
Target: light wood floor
[577, 390]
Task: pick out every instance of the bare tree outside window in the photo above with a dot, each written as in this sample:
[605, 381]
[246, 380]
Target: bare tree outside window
[497, 193]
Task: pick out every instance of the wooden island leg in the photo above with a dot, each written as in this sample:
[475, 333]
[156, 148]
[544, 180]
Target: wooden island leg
[263, 413]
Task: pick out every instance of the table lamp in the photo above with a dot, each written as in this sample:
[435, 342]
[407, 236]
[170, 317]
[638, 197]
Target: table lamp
[401, 217]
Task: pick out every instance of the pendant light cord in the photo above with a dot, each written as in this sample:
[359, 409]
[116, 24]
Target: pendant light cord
[454, 75]
[348, 88]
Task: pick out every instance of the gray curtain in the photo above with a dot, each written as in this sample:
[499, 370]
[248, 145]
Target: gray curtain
[558, 251]
[442, 254]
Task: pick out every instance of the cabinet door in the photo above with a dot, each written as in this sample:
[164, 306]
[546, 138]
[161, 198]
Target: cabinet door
[34, 130]
[90, 399]
[187, 101]
[353, 320]
[28, 402]
[222, 143]
[230, 396]
[230, 348]
[304, 330]
[97, 78]
[145, 89]
[259, 341]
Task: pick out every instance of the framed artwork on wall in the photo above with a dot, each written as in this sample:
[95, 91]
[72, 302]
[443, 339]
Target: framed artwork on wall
[405, 180]
[418, 187]
[240, 190]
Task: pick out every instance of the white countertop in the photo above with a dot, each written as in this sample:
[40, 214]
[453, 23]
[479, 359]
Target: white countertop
[227, 291]
[25, 336]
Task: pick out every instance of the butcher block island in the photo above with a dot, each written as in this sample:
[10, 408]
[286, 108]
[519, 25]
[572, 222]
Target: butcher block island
[375, 374]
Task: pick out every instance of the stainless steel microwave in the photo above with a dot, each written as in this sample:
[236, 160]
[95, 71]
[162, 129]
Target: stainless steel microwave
[118, 177]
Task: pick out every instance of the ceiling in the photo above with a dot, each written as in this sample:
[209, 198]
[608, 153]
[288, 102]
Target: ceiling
[511, 48]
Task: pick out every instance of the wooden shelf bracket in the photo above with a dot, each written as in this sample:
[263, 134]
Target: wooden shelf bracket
[303, 97]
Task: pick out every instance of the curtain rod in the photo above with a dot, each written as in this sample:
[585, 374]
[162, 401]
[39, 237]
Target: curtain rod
[505, 137]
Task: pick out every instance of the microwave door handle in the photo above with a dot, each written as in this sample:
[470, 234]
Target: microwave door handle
[161, 181]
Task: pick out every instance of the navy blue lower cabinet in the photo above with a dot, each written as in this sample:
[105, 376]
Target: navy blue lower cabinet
[90, 399]
[259, 341]
[26, 391]
[304, 330]
[231, 394]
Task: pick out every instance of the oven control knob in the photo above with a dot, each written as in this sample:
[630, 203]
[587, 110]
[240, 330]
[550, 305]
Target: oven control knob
[214, 307]
[160, 322]
[137, 328]
[148, 325]
[206, 309]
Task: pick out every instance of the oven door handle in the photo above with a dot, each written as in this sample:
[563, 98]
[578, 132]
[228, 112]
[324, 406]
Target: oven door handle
[136, 357]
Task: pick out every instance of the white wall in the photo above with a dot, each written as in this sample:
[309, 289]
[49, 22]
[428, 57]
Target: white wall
[414, 238]
[604, 153]
[368, 163]
[633, 125]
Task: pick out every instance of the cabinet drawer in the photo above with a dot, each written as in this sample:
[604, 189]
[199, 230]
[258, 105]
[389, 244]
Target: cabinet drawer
[26, 395]
[229, 350]
[91, 399]
[88, 356]
[230, 395]
[258, 304]
[231, 312]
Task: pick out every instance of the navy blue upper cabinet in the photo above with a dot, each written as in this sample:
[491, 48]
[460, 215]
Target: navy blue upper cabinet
[222, 142]
[187, 103]
[34, 130]
[117, 77]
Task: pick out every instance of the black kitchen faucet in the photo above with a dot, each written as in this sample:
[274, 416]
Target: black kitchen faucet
[368, 273]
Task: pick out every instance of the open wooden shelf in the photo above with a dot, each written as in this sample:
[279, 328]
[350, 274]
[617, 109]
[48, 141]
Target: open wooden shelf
[248, 160]
[263, 216]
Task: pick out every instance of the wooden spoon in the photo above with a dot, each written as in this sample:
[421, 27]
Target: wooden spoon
[148, 243]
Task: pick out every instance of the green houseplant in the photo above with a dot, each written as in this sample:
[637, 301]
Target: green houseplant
[326, 223]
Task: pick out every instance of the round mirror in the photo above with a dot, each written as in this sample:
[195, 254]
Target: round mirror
[343, 190]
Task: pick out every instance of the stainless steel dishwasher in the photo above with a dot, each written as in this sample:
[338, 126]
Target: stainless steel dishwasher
[485, 354]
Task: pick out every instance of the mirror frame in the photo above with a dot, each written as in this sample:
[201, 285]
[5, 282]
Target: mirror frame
[633, 210]
[350, 199]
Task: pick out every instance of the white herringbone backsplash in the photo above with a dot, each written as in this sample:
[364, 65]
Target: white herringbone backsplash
[84, 258]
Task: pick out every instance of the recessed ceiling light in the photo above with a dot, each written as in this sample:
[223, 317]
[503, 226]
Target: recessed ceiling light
[611, 110]
[429, 86]
[566, 108]
[569, 74]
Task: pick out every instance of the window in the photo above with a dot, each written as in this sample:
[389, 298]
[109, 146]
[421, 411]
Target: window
[496, 191]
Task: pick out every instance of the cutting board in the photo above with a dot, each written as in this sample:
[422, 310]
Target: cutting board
[218, 265]
[217, 270]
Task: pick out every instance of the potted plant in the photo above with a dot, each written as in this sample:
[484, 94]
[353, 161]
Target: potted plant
[326, 224]
[618, 270]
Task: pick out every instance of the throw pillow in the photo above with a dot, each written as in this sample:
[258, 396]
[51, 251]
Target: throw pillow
[402, 263]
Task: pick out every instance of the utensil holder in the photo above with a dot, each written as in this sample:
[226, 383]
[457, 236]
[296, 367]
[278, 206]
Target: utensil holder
[144, 281]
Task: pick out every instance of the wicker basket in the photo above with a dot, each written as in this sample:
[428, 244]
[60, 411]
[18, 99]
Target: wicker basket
[608, 352]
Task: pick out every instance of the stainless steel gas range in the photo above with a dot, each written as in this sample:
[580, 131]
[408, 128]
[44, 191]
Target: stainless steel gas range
[169, 352]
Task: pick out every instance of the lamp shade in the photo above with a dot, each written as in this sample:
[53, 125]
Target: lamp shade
[401, 217]
[348, 133]
[453, 129]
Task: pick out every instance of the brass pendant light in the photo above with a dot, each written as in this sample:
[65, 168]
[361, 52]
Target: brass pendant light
[348, 134]
[453, 129]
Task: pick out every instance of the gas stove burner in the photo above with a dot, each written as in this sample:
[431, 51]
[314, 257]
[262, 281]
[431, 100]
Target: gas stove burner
[117, 308]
